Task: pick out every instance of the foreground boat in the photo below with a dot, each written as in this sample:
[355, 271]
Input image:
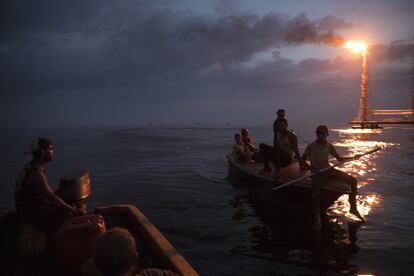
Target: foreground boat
[154, 250]
[296, 197]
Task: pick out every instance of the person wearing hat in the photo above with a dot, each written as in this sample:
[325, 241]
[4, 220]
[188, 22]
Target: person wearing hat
[36, 203]
[318, 152]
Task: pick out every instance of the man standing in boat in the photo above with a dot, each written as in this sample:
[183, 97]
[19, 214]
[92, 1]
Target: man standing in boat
[35, 200]
[318, 152]
[280, 116]
[285, 144]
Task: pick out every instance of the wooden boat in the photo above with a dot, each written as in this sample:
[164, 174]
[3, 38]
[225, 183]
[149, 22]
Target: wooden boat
[366, 125]
[296, 197]
[154, 250]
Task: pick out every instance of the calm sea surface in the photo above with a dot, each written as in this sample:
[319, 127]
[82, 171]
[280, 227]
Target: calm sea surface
[178, 177]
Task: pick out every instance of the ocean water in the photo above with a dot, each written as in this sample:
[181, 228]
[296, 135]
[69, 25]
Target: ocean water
[178, 177]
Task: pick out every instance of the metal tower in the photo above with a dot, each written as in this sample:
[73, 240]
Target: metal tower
[362, 120]
[364, 99]
[412, 85]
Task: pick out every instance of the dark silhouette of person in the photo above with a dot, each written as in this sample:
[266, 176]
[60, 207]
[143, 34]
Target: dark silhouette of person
[318, 152]
[285, 144]
[280, 115]
[116, 255]
[36, 203]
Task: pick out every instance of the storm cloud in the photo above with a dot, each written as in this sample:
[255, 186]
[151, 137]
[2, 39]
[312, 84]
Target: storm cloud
[396, 50]
[164, 44]
[141, 52]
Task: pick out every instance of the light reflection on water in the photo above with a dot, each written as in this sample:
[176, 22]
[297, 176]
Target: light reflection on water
[358, 141]
[365, 204]
[358, 131]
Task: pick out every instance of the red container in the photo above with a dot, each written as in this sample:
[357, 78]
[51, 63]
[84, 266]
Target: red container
[76, 241]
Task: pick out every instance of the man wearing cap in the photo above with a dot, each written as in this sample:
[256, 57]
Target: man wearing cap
[318, 152]
[35, 201]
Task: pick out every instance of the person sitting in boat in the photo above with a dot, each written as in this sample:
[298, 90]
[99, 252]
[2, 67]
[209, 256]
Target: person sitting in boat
[36, 203]
[240, 151]
[286, 143]
[116, 255]
[248, 141]
[318, 152]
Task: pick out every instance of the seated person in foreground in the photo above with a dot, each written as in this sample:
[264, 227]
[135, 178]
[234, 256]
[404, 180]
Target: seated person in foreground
[116, 256]
[286, 143]
[36, 203]
[240, 151]
[318, 152]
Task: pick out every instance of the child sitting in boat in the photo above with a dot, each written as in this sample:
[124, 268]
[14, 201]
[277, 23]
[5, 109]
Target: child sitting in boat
[240, 151]
[248, 141]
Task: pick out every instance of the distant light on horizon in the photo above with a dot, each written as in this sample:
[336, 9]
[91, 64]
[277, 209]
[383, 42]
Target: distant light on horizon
[356, 46]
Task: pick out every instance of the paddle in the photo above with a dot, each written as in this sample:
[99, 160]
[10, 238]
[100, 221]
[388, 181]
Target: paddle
[325, 169]
[300, 137]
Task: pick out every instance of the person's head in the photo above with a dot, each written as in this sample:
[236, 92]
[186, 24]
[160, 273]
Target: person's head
[322, 132]
[41, 149]
[245, 132]
[282, 124]
[280, 113]
[237, 138]
[116, 253]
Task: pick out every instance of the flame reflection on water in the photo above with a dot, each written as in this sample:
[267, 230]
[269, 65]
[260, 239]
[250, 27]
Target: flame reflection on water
[358, 131]
[365, 204]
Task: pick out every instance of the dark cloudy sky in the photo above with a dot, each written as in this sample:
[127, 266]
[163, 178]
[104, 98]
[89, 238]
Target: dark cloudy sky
[105, 62]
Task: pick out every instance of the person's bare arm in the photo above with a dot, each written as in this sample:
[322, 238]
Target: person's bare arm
[40, 180]
[305, 157]
[339, 157]
[293, 140]
[252, 147]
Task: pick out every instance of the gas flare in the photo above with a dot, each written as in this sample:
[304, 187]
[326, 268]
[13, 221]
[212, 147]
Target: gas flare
[361, 47]
[356, 46]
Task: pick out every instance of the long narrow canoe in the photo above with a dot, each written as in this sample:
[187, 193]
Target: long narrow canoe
[297, 196]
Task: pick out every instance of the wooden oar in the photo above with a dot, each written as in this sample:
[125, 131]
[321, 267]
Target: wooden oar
[325, 169]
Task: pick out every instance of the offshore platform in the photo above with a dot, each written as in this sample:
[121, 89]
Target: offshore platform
[365, 120]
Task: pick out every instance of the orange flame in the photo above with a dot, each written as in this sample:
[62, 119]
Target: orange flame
[356, 46]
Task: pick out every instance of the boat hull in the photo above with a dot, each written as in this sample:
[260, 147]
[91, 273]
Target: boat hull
[296, 197]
